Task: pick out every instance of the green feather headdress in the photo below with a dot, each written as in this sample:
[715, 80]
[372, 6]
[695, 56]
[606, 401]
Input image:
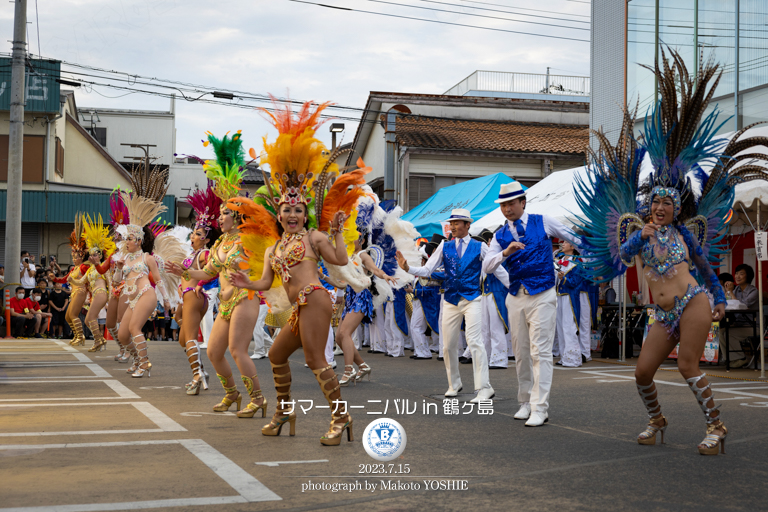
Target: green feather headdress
[228, 169]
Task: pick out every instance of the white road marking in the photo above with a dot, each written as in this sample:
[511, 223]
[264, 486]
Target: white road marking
[83, 433]
[117, 386]
[200, 414]
[158, 417]
[248, 487]
[278, 462]
[98, 371]
[133, 505]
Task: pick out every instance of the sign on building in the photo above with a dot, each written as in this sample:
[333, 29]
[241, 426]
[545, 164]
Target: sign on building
[41, 88]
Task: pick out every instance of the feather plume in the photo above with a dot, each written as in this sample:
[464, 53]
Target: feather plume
[258, 232]
[152, 184]
[118, 212]
[206, 205]
[141, 210]
[340, 199]
[228, 169]
[97, 236]
[76, 240]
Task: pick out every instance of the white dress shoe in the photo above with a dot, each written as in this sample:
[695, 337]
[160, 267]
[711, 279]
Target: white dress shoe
[537, 419]
[451, 393]
[483, 394]
[337, 351]
[524, 413]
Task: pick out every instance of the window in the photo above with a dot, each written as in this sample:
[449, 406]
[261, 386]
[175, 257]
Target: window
[59, 158]
[420, 188]
[32, 158]
[100, 134]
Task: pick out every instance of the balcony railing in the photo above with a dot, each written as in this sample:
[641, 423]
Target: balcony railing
[527, 83]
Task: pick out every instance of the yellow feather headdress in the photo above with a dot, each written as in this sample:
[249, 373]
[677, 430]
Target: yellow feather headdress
[97, 236]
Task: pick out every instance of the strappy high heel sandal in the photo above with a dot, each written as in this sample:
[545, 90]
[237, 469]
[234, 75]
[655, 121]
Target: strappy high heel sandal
[99, 343]
[362, 371]
[656, 424]
[251, 408]
[280, 418]
[340, 421]
[122, 356]
[131, 349]
[143, 359]
[199, 378]
[349, 376]
[712, 443]
[226, 402]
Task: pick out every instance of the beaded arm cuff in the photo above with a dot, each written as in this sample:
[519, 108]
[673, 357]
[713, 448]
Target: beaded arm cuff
[702, 265]
[632, 246]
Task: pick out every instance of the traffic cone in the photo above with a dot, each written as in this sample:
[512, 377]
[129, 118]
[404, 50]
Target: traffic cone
[107, 336]
[200, 338]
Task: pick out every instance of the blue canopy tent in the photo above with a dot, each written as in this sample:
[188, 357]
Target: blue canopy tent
[476, 195]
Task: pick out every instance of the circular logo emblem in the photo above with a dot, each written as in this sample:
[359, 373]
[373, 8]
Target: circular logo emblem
[384, 439]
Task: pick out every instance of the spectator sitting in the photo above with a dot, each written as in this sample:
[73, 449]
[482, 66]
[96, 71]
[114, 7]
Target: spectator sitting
[22, 317]
[743, 291]
[41, 316]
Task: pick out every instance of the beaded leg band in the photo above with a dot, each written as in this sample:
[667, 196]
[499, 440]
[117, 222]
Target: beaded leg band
[192, 349]
[226, 401]
[143, 356]
[99, 343]
[252, 407]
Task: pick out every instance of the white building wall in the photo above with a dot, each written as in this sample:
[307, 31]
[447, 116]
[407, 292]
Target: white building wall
[184, 178]
[134, 128]
[473, 167]
[374, 153]
[508, 113]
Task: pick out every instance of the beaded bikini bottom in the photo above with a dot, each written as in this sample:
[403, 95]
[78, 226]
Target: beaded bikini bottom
[671, 318]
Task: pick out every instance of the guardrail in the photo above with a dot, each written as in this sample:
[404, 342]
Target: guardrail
[528, 83]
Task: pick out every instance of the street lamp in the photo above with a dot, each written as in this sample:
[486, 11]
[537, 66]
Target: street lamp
[335, 128]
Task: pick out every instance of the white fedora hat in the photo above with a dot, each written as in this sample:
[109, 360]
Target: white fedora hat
[510, 191]
[460, 214]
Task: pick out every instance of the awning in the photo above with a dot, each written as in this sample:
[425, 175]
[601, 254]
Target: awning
[476, 195]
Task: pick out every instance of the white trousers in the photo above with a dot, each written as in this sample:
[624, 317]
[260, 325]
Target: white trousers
[440, 338]
[395, 337]
[532, 324]
[418, 327]
[471, 312]
[329, 346]
[261, 340]
[378, 331]
[567, 338]
[206, 324]
[585, 326]
[493, 333]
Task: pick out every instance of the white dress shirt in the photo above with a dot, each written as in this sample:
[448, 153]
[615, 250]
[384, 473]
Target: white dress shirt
[436, 260]
[552, 227]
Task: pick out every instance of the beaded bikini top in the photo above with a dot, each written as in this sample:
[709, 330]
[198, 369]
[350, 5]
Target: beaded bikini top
[292, 252]
[662, 256]
[226, 243]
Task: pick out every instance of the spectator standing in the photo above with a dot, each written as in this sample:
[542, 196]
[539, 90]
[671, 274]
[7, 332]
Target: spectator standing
[2, 274]
[58, 300]
[27, 273]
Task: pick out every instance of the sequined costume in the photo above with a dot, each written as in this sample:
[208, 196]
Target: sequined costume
[231, 263]
[359, 303]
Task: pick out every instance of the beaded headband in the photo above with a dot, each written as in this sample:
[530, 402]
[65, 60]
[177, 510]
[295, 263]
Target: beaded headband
[667, 192]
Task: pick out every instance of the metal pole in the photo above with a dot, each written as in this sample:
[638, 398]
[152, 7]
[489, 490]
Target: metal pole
[656, 56]
[760, 302]
[15, 143]
[736, 71]
[696, 38]
[623, 313]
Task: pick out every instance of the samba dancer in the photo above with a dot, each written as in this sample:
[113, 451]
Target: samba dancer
[100, 248]
[300, 173]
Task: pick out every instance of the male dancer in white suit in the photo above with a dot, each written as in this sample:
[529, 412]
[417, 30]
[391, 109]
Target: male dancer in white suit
[462, 258]
[523, 247]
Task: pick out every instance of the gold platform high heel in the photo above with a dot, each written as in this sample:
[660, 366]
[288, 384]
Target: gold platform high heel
[340, 420]
[362, 371]
[279, 419]
[193, 356]
[77, 329]
[656, 424]
[223, 406]
[712, 443]
[143, 359]
[99, 343]
[252, 407]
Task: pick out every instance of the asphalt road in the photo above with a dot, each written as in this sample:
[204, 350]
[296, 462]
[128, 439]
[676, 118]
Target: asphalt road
[78, 433]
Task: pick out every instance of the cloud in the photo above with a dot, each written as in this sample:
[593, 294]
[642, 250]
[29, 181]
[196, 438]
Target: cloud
[279, 46]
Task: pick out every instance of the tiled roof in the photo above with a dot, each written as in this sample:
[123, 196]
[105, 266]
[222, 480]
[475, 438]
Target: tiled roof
[425, 132]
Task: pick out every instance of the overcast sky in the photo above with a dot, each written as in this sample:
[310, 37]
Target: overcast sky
[311, 52]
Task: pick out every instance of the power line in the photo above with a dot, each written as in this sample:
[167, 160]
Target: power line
[440, 22]
[524, 8]
[507, 12]
[474, 15]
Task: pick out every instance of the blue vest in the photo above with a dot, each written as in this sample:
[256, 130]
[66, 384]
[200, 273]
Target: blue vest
[430, 304]
[533, 266]
[571, 285]
[462, 276]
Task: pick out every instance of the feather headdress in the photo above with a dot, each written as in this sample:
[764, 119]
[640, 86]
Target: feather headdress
[228, 169]
[141, 211]
[76, 240]
[206, 205]
[118, 213]
[97, 237]
[152, 184]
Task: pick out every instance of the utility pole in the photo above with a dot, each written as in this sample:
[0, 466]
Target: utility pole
[16, 143]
